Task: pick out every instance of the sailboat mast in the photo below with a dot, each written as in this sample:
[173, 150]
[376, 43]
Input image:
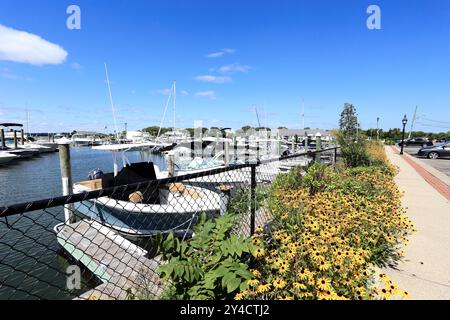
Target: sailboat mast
[28, 121]
[303, 114]
[174, 104]
[112, 102]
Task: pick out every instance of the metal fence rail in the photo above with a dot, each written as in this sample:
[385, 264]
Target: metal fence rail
[97, 242]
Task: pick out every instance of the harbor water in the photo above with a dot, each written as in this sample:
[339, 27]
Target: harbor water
[36, 267]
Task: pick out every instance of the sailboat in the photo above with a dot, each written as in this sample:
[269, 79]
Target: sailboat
[147, 210]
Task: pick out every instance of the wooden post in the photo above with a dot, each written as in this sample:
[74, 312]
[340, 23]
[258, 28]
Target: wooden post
[171, 164]
[234, 147]
[318, 141]
[293, 145]
[335, 155]
[15, 139]
[22, 137]
[2, 137]
[227, 152]
[257, 150]
[66, 177]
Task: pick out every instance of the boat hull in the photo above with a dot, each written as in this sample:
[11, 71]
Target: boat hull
[177, 214]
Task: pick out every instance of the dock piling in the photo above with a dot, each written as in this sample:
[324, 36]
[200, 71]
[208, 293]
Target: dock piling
[226, 152]
[66, 177]
[318, 141]
[15, 139]
[2, 137]
[22, 137]
[171, 164]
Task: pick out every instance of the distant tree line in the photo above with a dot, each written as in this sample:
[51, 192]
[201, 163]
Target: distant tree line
[396, 134]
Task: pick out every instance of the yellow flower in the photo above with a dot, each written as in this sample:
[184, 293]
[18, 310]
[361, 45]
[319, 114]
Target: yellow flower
[256, 242]
[384, 294]
[324, 284]
[239, 296]
[255, 273]
[253, 282]
[258, 253]
[283, 268]
[324, 265]
[279, 283]
[263, 288]
[303, 274]
[299, 286]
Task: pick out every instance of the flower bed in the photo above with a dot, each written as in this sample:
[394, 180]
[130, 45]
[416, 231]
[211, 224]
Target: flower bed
[331, 229]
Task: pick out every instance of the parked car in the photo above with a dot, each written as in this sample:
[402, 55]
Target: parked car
[418, 142]
[441, 150]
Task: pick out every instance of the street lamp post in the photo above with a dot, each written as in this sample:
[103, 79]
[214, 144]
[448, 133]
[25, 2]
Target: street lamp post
[378, 129]
[404, 121]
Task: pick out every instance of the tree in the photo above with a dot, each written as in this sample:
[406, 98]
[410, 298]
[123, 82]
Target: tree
[282, 128]
[348, 123]
[353, 150]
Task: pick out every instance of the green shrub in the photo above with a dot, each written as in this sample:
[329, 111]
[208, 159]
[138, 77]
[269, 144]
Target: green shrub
[209, 266]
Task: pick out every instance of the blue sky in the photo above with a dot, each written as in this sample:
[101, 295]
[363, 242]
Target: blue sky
[271, 54]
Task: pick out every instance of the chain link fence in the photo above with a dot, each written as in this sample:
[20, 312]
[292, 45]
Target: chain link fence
[97, 243]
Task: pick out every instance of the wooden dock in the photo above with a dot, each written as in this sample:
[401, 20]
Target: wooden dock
[118, 263]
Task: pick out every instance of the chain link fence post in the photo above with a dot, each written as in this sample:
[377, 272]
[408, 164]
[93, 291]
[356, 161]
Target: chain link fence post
[253, 198]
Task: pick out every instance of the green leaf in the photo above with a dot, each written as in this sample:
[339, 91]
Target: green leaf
[233, 284]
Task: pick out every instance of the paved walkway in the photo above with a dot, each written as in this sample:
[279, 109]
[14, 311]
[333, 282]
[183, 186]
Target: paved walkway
[425, 271]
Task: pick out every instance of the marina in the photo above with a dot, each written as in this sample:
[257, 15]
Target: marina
[70, 245]
[220, 151]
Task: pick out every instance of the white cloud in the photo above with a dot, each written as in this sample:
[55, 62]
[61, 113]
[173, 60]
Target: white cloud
[206, 94]
[234, 67]
[184, 92]
[220, 53]
[213, 79]
[24, 47]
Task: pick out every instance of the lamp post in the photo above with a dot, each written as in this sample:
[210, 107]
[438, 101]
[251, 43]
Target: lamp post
[378, 128]
[404, 121]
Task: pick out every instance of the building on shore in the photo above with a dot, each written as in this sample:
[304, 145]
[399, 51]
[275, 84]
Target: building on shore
[301, 134]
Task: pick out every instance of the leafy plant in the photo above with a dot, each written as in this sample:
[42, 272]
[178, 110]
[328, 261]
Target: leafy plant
[212, 265]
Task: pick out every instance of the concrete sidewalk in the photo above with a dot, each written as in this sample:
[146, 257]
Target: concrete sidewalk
[425, 271]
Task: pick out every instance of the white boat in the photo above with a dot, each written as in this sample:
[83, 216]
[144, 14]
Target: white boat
[137, 213]
[49, 146]
[85, 139]
[6, 157]
[22, 153]
[34, 146]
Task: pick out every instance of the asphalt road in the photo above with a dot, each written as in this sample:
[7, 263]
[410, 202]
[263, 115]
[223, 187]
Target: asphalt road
[443, 165]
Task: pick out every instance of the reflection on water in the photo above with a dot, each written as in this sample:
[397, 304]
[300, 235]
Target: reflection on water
[32, 264]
